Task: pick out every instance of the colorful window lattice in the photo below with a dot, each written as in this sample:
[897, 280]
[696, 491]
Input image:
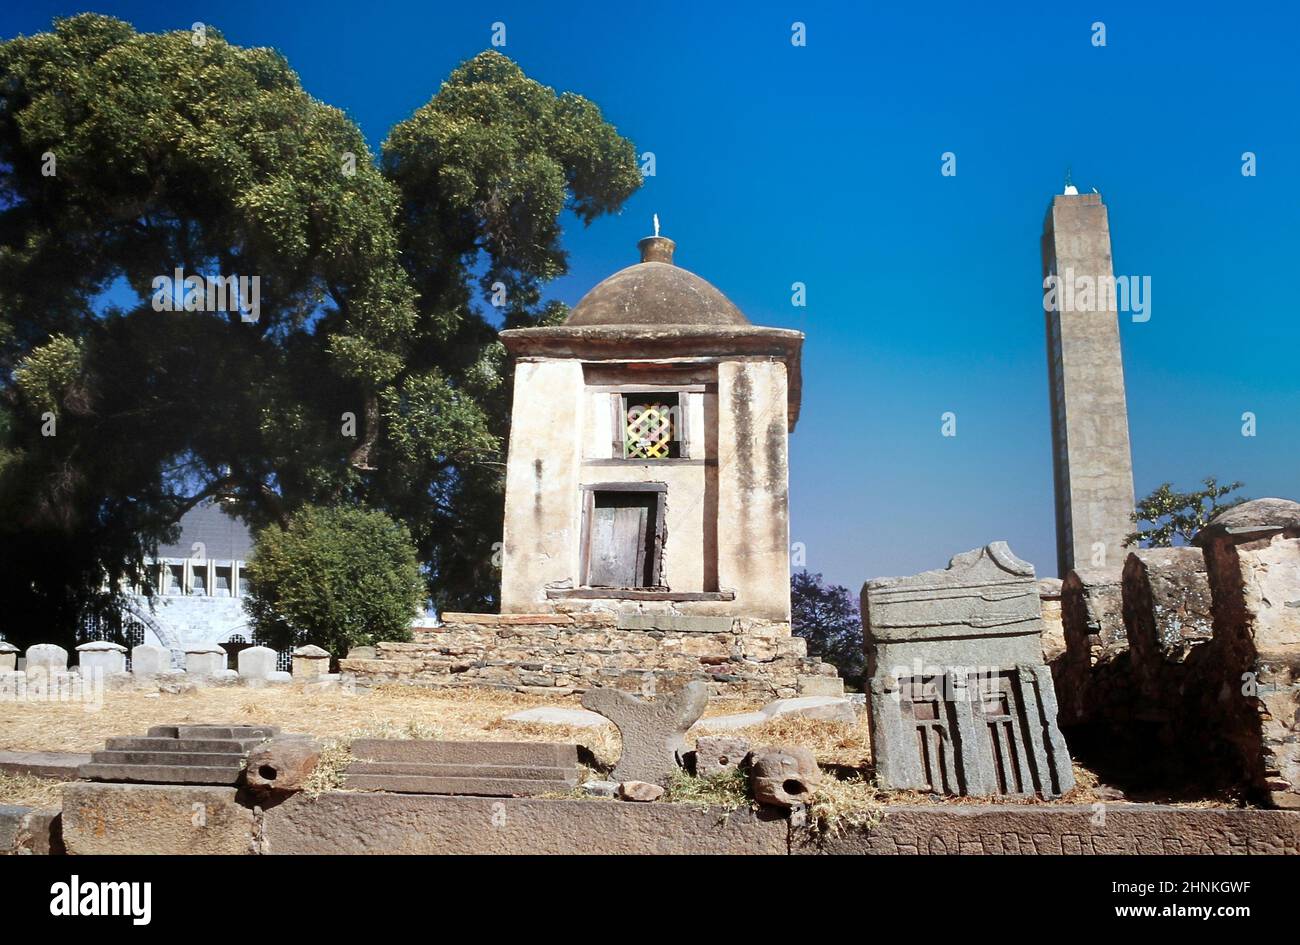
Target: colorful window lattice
[649, 431]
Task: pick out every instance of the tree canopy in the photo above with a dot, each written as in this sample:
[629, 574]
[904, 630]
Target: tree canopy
[827, 616]
[1177, 516]
[367, 372]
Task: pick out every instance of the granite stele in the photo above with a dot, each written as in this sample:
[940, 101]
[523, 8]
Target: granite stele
[961, 701]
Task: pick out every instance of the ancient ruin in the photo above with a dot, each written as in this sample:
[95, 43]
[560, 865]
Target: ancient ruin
[961, 701]
[1184, 674]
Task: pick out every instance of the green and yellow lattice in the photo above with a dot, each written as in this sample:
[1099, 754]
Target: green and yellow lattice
[649, 432]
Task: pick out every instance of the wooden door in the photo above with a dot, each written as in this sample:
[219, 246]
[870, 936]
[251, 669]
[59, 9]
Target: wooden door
[621, 551]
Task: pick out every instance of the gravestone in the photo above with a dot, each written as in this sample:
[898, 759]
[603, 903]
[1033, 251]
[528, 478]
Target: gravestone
[46, 658]
[257, 662]
[206, 659]
[8, 657]
[149, 660]
[101, 657]
[653, 732]
[961, 701]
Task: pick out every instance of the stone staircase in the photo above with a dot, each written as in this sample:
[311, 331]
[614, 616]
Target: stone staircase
[178, 754]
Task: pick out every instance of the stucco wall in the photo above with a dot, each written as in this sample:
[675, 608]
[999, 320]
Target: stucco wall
[541, 518]
[753, 487]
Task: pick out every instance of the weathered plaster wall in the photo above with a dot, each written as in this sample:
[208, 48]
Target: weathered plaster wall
[542, 476]
[753, 487]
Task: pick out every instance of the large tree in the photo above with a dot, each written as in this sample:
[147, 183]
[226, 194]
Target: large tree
[370, 373]
[827, 616]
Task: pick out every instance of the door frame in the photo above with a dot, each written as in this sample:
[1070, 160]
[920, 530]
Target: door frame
[589, 491]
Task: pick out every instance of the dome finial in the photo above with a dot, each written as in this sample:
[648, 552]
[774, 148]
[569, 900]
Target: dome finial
[656, 248]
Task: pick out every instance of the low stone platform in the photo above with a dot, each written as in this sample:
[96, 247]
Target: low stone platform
[178, 754]
[55, 765]
[568, 652]
[136, 818]
[483, 769]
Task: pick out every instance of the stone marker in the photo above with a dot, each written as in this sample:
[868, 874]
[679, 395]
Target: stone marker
[639, 791]
[8, 657]
[205, 659]
[783, 775]
[310, 662]
[101, 656]
[148, 660]
[46, 658]
[283, 763]
[256, 662]
[718, 754]
[961, 701]
[653, 733]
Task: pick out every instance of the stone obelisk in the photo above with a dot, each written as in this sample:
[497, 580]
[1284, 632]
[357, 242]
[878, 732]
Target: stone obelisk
[1090, 443]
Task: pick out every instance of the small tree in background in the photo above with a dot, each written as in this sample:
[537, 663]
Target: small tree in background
[335, 577]
[826, 615]
[1171, 514]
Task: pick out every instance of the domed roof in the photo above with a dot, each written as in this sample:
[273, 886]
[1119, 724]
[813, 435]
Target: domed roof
[655, 292]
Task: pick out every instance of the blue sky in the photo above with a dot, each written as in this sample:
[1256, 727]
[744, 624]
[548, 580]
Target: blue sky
[821, 164]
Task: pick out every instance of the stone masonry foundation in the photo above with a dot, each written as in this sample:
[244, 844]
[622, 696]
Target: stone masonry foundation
[562, 653]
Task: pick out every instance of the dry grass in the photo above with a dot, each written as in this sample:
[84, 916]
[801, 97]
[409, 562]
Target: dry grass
[24, 790]
[338, 717]
[389, 711]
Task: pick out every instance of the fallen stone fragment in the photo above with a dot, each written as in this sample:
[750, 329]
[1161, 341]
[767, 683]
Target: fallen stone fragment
[639, 791]
[783, 775]
[601, 788]
[718, 754]
[283, 763]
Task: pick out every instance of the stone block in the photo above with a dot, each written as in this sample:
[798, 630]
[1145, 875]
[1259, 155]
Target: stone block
[1061, 829]
[155, 819]
[55, 765]
[8, 657]
[256, 662]
[30, 831]
[429, 751]
[149, 660]
[819, 685]
[205, 660]
[826, 708]
[282, 763]
[1167, 606]
[310, 662]
[343, 823]
[162, 773]
[46, 658]
[653, 732]
[361, 653]
[718, 754]
[101, 657]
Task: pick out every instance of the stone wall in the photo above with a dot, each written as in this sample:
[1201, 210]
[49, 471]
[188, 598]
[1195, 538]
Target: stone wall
[1200, 688]
[570, 652]
[103, 818]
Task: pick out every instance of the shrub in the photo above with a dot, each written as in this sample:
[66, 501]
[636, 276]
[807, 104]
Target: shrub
[335, 577]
